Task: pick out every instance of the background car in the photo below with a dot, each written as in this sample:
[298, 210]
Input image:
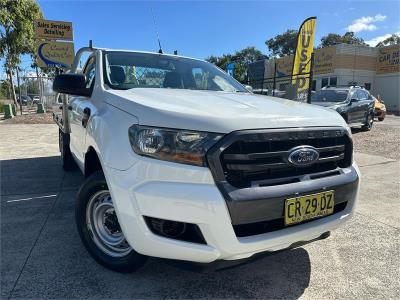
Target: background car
[353, 103]
[25, 100]
[36, 99]
[380, 108]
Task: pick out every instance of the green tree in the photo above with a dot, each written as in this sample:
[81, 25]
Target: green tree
[17, 33]
[240, 58]
[283, 44]
[394, 39]
[4, 89]
[334, 39]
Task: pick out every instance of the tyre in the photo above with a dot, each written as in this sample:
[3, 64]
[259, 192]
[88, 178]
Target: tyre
[67, 161]
[369, 121]
[99, 229]
[380, 119]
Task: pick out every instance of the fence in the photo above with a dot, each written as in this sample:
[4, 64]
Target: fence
[283, 86]
[296, 87]
[36, 89]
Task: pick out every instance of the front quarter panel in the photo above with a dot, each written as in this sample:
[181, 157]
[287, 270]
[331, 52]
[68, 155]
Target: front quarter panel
[108, 135]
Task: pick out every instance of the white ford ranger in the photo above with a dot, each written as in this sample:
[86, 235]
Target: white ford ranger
[182, 162]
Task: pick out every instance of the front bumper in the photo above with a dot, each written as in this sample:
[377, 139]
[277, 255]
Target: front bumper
[188, 194]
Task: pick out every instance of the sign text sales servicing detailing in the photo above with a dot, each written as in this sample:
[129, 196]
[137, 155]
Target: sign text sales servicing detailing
[53, 30]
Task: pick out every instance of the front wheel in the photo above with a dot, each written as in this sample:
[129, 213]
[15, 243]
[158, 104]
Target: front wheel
[369, 121]
[99, 228]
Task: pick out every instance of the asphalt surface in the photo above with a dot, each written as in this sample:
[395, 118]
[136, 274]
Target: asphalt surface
[42, 256]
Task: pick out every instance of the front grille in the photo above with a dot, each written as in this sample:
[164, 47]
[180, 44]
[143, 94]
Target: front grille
[250, 229]
[261, 157]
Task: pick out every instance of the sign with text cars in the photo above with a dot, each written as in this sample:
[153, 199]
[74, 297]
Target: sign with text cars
[388, 60]
[55, 54]
[53, 30]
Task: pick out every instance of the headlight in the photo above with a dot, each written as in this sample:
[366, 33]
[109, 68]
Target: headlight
[182, 146]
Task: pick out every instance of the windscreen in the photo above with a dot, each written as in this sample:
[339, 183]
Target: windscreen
[129, 70]
[329, 96]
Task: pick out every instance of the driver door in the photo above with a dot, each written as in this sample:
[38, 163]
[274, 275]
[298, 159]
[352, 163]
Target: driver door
[352, 114]
[77, 111]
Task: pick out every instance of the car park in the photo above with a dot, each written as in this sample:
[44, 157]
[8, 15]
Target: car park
[380, 108]
[182, 162]
[353, 103]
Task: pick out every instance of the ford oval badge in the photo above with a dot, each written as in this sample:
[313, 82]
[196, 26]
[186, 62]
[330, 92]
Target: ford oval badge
[303, 156]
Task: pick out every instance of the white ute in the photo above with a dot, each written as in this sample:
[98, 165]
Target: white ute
[182, 162]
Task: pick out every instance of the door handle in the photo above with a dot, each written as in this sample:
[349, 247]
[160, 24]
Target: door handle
[86, 116]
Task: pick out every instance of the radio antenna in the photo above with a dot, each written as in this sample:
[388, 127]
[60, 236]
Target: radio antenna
[156, 29]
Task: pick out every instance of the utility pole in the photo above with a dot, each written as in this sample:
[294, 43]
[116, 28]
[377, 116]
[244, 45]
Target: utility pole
[19, 91]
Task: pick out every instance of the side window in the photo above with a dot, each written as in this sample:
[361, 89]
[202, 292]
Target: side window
[333, 81]
[362, 95]
[90, 72]
[354, 95]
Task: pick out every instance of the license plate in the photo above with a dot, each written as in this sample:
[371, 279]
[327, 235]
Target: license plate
[308, 207]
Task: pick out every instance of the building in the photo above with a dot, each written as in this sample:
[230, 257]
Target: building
[377, 69]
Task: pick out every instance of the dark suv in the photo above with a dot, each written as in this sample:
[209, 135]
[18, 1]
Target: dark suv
[353, 103]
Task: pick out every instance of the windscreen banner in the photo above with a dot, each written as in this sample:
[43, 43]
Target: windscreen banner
[302, 58]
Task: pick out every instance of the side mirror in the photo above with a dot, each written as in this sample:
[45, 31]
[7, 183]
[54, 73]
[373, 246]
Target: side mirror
[249, 88]
[73, 84]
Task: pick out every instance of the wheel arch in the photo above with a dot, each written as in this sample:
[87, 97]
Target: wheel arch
[92, 162]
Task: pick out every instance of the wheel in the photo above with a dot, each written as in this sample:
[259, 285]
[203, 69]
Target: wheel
[99, 229]
[369, 121]
[380, 119]
[68, 162]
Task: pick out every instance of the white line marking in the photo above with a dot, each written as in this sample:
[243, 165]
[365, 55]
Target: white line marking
[27, 199]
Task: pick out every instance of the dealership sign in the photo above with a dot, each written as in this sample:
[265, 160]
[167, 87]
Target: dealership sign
[323, 62]
[55, 54]
[388, 60]
[53, 30]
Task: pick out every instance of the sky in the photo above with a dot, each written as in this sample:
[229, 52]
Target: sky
[203, 28]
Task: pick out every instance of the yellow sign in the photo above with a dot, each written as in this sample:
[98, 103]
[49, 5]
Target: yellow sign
[53, 30]
[388, 60]
[324, 60]
[55, 54]
[302, 56]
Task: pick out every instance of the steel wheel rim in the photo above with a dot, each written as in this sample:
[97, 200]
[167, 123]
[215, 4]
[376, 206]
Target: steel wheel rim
[103, 225]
